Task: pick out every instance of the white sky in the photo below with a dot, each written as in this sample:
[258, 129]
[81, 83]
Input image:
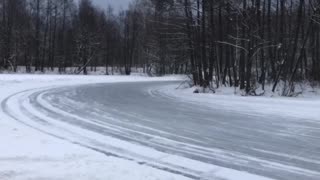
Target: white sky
[116, 4]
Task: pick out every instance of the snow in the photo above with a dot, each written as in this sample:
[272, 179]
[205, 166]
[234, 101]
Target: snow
[30, 154]
[303, 107]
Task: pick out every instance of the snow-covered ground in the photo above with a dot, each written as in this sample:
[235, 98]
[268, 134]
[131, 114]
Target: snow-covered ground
[78, 127]
[29, 153]
[26, 154]
[305, 106]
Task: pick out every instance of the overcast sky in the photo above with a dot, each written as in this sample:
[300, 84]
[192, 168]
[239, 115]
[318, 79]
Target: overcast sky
[116, 4]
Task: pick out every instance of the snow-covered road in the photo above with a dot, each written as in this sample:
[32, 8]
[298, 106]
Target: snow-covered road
[145, 123]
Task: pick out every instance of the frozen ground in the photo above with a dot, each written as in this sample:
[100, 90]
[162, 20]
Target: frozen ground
[97, 127]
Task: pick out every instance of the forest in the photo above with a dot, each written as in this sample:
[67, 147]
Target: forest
[246, 44]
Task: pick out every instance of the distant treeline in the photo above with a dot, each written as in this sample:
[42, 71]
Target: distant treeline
[240, 43]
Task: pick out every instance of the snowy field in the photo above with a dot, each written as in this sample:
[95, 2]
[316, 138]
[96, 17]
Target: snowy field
[36, 144]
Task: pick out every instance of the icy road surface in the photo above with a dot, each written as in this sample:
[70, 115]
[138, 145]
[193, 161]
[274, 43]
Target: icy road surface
[103, 116]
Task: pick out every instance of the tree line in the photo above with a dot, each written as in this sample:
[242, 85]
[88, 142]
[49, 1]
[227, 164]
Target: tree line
[239, 43]
[42, 35]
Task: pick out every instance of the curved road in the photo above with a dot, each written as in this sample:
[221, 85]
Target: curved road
[132, 112]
